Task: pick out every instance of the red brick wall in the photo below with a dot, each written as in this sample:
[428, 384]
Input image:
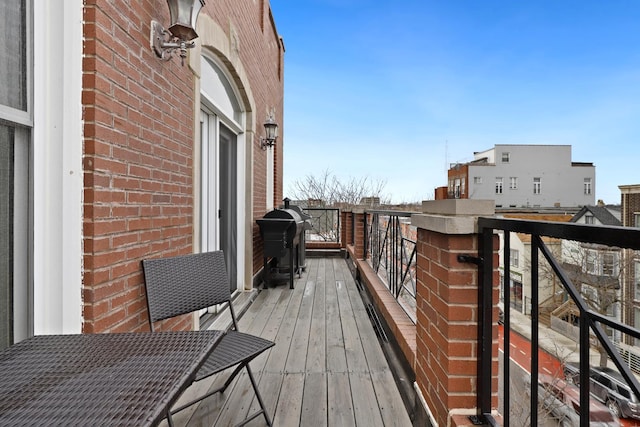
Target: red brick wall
[138, 147]
[630, 201]
[346, 228]
[631, 204]
[460, 172]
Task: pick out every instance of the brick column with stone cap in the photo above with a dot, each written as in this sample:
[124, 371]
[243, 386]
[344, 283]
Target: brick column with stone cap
[447, 309]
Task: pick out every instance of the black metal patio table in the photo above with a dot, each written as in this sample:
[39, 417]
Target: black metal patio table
[124, 379]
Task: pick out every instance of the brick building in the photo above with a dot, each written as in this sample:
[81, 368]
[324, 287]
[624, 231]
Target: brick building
[630, 204]
[111, 155]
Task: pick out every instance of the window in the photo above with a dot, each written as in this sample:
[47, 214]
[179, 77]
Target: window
[608, 264]
[590, 294]
[498, 185]
[15, 134]
[636, 279]
[590, 262]
[589, 219]
[513, 182]
[456, 188]
[13, 56]
[636, 317]
[514, 258]
[477, 180]
[587, 186]
[636, 219]
[536, 186]
[505, 157]
[516, 294]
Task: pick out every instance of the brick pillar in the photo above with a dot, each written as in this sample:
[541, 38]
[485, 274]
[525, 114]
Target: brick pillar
[346, 227]
[447, 309]
[359, 226]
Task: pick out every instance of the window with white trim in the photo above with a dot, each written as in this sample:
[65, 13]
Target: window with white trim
[513, 183]
[609, 264]
[514, 258]
[498, 185]
[590, 262]
[537, 185]
[505, 157]
[587, 186]
[477, 180]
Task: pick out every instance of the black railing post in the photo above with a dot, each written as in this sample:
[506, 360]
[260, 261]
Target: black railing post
[584, 369]
[506, 313]
[535, 244]
[353, 228]
[365, 234]
[485, 321]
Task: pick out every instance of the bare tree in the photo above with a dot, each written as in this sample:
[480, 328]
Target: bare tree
[329, 190]
[597, 273]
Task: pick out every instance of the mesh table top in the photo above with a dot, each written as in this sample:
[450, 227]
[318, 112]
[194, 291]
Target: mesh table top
[126, 379]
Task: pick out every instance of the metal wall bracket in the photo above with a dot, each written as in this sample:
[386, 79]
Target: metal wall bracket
[483, 420]
[470, 259]
[164, 44]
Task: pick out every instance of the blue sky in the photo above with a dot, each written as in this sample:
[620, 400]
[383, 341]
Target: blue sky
[397, 90]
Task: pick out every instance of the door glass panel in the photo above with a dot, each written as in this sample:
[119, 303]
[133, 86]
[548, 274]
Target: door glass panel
[13, 55]
[6, 236]
[228, 207]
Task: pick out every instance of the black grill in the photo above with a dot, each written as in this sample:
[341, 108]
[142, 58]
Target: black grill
[282, 232]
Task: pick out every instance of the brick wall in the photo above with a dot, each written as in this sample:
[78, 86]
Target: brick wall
[138, 147]
[631, 204]
[630, 201]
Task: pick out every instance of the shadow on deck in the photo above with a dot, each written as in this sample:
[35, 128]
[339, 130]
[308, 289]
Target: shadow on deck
[327, 367]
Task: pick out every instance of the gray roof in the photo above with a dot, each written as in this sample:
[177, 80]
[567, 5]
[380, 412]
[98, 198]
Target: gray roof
[602, 213]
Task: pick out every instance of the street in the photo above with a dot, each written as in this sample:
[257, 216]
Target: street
[520, 357]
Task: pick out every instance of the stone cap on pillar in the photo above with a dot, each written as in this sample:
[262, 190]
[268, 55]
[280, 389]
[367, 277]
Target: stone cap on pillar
[453, 216]
[459, 207]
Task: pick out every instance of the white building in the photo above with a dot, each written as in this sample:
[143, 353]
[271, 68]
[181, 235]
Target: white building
[517, 176]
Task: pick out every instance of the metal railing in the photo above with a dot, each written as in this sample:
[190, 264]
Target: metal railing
[390, 249]
[325, 225]
[591, 322]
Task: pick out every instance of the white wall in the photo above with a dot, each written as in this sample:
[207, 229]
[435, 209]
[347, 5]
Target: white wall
[561, 183]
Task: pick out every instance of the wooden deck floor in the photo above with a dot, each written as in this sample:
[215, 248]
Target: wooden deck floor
[326, 369]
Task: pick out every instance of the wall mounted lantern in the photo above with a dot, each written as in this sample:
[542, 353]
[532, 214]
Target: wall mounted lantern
[271, 133]
[181, 31]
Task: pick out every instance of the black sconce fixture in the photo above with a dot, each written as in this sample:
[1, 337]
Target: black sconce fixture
[271, 133]
[181, 31]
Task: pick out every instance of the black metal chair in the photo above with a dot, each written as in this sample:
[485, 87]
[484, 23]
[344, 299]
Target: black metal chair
[184, 284]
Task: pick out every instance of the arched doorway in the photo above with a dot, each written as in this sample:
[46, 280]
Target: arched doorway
[222, 160]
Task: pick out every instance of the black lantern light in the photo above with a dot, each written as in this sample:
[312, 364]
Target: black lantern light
[271, 133]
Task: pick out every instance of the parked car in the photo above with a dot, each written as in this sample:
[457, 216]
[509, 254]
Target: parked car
[609, 387]
[562, 400]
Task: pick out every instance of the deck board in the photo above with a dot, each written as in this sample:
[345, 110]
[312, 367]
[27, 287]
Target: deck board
[327, 367]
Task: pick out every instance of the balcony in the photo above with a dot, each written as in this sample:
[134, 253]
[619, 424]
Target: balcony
[410, 326]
